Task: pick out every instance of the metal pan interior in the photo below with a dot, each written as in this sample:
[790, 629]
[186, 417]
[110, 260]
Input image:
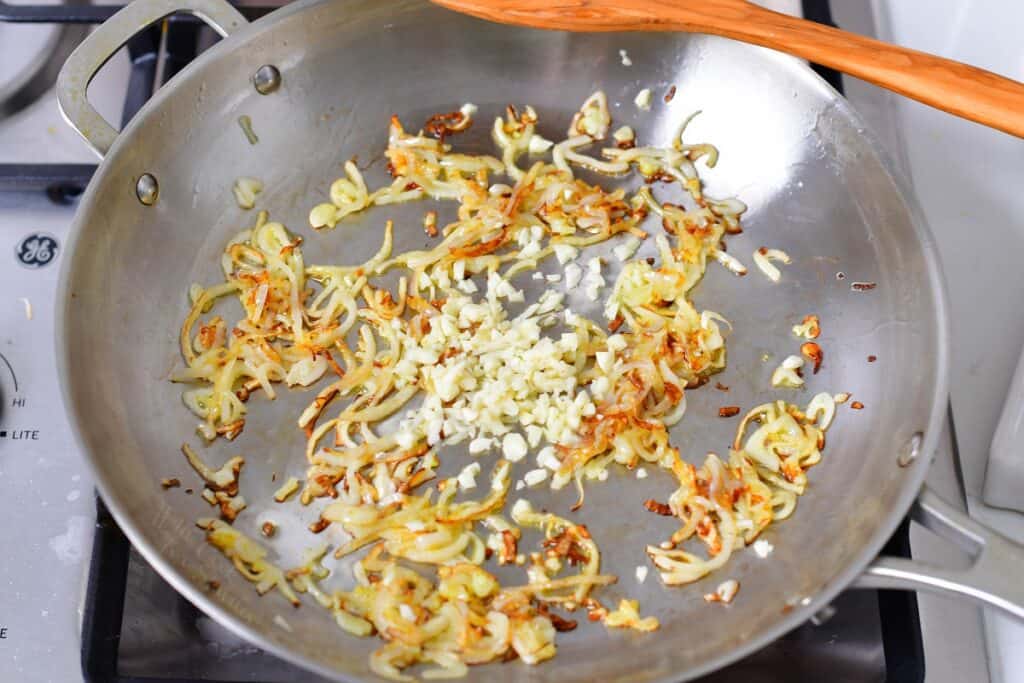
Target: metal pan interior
[816, 184]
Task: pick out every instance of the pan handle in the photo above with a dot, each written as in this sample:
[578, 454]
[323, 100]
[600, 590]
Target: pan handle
[87, 59]
[993, 579]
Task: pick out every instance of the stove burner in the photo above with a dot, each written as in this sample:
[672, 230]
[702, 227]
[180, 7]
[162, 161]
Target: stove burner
[31, 56]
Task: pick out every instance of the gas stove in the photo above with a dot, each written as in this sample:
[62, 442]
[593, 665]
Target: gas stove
[78, 603]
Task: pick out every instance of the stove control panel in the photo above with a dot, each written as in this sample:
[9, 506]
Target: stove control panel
[12, 400]
[46, 491]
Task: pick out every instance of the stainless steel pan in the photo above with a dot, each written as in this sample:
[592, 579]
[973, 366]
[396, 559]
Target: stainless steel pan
[159, 211]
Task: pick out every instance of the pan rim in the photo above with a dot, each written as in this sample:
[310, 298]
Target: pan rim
[801, 613]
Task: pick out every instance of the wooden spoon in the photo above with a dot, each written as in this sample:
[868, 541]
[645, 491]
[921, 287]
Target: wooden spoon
[957, 88]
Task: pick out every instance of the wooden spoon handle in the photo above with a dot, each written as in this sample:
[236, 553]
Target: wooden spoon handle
[959, 89]
[966, 91]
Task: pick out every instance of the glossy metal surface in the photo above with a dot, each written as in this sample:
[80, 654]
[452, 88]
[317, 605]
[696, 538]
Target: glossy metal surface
[817, 186]
[990, 579]
[89, 57]
[267, 79]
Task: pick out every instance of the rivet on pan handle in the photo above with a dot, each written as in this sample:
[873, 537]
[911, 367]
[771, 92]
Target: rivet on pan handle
[106, 40]
[993, 579]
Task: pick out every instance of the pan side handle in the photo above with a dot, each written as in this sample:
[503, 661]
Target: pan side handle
[87, 59]
[994, 579]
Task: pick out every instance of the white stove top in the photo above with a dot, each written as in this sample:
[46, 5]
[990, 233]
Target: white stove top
[36, 133]
[46, 495]
[969, 180]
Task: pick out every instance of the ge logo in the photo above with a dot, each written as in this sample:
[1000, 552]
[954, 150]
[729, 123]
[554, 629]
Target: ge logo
[37, 250]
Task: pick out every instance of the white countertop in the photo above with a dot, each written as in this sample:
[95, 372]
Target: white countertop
[970, 181]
